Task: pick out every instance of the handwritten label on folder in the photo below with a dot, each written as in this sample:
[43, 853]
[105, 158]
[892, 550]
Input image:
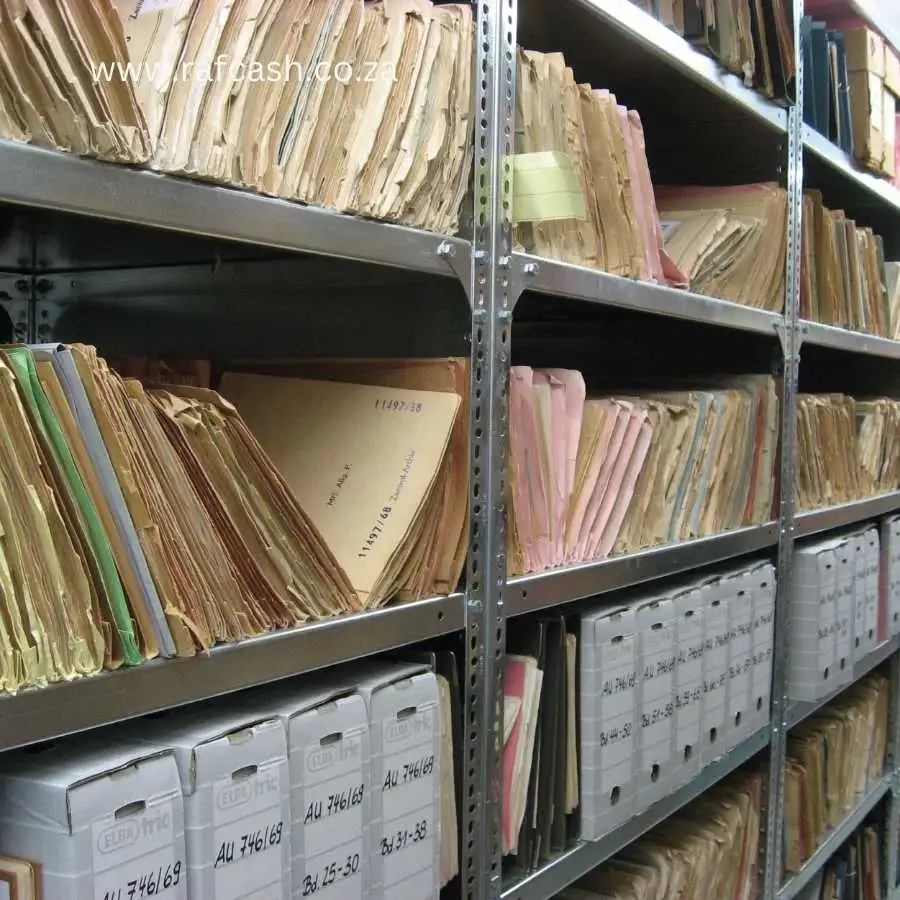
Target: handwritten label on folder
[545, 188]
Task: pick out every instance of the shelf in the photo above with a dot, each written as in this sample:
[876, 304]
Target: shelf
[61, 709]
[530, 593]
[851, 341]
[640, 27]
[845, 514]
[563, 280]
[798, 710]
[833, 842]
[878, 188]
[560, 872]
[47, 179]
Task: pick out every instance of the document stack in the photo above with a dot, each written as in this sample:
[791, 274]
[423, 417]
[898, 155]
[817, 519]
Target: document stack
[107, 476]
[728, 241]
[842, 272]
[586, 469]
[366, 108]
[750, 38]
[855, 81]
[287, 791]
[540, 762]
[708, 849]
[854, 871]
[847, 449]
[725, 242]
[833, 757]
[670, 681]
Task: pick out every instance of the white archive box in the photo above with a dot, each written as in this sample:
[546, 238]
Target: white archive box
[865, 592]
[873, 568]
[610, 673]
[891, 533]
[234, 777]
[403, 841]
[763, 577]
[716, 639]
[812, 607]
[739, 588]
[845, 566]
[328, 760]
[655, 618]
[103, 822]
[688, 608]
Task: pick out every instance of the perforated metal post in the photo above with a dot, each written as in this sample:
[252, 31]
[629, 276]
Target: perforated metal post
[790, 342]
[486, 573]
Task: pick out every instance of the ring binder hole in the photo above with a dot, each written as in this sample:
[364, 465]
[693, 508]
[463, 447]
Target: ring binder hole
[689, 614]
[244, 773]
[331, 739]
[654, 772]
[131, 809]
[857, 642]
[713, 734]
[614, 796]
[406, 712]
[656, 626]
[827, 671]
[617, 639]
[843, 664]
[737, 718]
[871, 633]
[688, 752]
[759, 703]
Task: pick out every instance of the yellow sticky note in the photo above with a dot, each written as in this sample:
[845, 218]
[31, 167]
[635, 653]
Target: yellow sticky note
[545, 188]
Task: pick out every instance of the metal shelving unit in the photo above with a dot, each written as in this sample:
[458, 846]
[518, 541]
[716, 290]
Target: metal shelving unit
[492, 277]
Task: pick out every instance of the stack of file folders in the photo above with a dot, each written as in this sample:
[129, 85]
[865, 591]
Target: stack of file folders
[362, 107]
[671, 680]
[724, 242]
[708, 849]
[143, 521]
[842, 272]
[826, 97]
[854, 872]
[833, 758]
[839, 611]
[752, 38]
[847, 449]
[594, 475]
[540, 739]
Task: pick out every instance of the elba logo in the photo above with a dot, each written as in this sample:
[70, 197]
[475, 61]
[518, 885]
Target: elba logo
[235, 794]
[402, 729]
[325, 756]
[118, 836]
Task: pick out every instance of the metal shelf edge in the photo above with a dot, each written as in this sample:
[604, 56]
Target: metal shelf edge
[53, 180]
[822, 335]
[827, 848]
[798, 710]
[581, 859]
[879, 188]
[666, 44]
[845, 514]
[530, 593]
[565, 280]
[60, 709]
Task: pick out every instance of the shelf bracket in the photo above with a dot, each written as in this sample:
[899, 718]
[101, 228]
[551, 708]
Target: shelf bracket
[459, 263]
[16, 295]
